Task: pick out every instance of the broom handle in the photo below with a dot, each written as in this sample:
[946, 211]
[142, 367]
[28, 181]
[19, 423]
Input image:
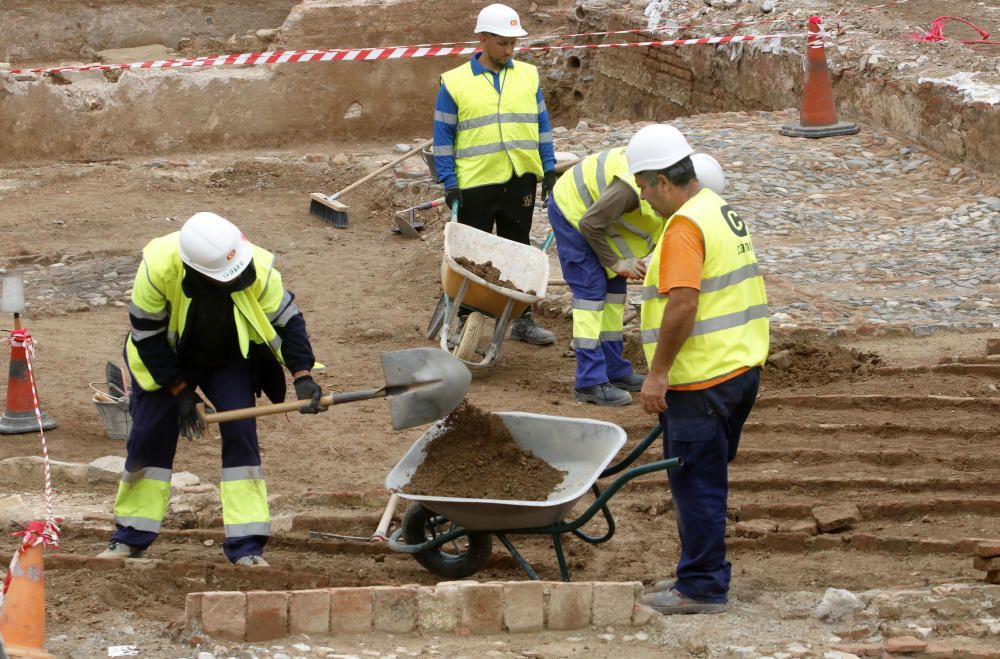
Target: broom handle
[383, 168]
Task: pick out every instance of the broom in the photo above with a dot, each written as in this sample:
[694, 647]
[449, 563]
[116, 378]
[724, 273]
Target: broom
[326, 207]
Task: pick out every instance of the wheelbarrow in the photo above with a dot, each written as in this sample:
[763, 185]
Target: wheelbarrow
[453, 537]
[526, 267]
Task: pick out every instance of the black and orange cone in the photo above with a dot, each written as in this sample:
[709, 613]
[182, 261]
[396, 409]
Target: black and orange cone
[19, 415]
[22, 613]
[818, 117]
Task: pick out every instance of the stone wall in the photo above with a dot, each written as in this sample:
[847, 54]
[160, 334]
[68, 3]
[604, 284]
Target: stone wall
[664, 83]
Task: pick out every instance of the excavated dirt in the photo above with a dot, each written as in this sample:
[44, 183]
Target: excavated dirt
[475, 457]
[809, 360]
[489, 272]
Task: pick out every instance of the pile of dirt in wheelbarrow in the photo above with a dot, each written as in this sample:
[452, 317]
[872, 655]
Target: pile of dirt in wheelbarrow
[475, 457]
[490, 273]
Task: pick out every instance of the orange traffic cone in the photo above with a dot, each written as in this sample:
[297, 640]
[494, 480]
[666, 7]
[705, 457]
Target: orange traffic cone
[818, 117]
[22, 613]
[19, 416]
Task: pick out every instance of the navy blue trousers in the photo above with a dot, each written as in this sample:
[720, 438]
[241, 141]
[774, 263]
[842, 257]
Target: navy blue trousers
[703, 428]
[152, 441]
[599, 357]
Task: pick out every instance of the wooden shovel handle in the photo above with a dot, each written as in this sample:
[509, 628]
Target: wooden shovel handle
[383, 168]
[288, 406]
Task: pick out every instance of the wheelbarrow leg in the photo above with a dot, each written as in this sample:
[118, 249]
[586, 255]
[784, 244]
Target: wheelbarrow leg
[517, 557]
[560, 556]
[499, 332]
[451, 310]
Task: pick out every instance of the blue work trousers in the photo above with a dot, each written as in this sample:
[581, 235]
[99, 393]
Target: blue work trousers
[703, 428]
[598, 306]
[152, 441]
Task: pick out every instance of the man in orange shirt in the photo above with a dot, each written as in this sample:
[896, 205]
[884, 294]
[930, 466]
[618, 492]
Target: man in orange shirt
[705, 333]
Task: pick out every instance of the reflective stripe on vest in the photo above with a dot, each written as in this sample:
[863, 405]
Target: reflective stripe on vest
[496, 134]
[158, 294]
[731, 326]
[244, 501]
[633, 235]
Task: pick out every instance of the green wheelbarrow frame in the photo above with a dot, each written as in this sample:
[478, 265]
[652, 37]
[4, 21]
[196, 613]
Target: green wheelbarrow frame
[474, 561]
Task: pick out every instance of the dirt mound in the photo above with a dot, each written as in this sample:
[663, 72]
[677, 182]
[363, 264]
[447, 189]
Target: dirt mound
[810, 360]
[489, 272]
[475, 457]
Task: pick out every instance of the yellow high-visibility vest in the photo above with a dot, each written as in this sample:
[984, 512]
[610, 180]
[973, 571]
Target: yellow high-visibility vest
[497, 133]
[633, 235]
[731, 327]
[157, 294]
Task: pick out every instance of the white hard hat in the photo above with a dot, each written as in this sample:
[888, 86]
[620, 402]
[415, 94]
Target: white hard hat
[500, 20]
[709, 172]
[656, 147]
[213, 246]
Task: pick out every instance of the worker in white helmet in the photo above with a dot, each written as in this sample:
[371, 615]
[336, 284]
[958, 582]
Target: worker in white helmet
[705, 334]
[603, 232]
[493, 141]
[208, 311]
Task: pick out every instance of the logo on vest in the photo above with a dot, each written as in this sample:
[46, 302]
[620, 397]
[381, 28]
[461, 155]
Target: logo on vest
[735, 222]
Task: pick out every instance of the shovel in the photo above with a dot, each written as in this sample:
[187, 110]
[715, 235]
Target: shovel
[421, 384]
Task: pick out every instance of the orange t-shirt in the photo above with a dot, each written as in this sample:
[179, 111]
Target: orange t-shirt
[681, 263]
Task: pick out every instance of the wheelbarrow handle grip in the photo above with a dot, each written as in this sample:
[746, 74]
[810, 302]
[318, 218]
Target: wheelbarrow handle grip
[288, 406]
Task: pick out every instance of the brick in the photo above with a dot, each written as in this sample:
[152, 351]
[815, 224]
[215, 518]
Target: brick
[439, 609]
[986, 564]
[642, 614]
[904, 644]
[988, 549]
[395, 609]
[613, 603]
[859, 649]
[350, 610]
[524, 606]
[896, 544]
[793, 542]
[836, 518]
[823, 542]
[993, 576]
[569, 606]
[267, 615]
[806, 526]
[993, 346]
[309, 611]
[223, 615]
[192, 610]
[864, 541]
[755, 528]
[482, 609]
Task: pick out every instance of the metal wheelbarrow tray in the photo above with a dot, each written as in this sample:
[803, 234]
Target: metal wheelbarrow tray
[525, 266]
[452, 536]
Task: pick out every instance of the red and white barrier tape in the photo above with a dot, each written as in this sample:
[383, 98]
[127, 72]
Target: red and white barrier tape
[36, 533]
[388, 53]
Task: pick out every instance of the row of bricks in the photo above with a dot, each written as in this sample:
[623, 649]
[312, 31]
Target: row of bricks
[988, 560]
[458, 607]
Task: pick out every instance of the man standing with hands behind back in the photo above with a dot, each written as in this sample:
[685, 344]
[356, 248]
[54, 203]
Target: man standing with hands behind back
[493, 141]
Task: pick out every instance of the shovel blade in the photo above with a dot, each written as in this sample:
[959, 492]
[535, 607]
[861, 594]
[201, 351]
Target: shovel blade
[423, 385]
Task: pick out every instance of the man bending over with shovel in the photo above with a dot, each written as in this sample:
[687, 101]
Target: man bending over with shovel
[208, 310]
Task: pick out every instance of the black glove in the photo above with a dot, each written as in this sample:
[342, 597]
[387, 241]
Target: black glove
[307, 389]
[189, 423]
[451, 195]
[548, 183]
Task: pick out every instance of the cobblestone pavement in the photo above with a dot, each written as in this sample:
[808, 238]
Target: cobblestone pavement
[862, 233]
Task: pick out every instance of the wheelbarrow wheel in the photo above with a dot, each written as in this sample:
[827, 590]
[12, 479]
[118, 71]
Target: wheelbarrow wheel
[458, 559]
[471, 332]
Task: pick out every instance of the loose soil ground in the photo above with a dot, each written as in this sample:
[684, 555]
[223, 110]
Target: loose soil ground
[476, 457]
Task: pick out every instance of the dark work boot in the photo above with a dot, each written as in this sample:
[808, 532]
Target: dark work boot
[631, 382]
[603, 394]
[525, 329]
